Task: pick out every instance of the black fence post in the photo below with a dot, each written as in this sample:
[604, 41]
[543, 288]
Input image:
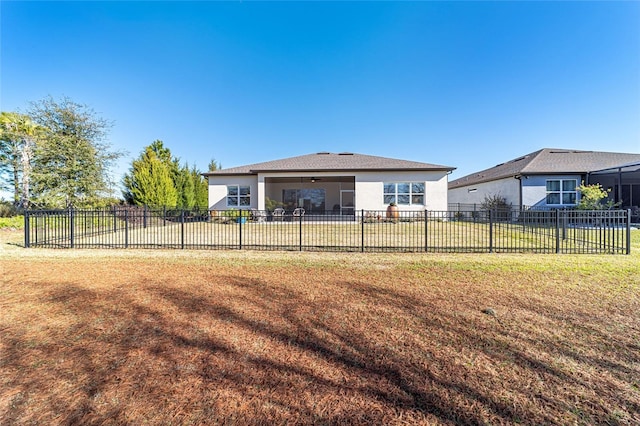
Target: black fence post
[426, 231]
[557, 230]
[300, 233]
[628, 248]
[26, 229]
[126, 228]
[71, 227]
[362, 231]
[164, 215]
[239, 221]
[182, 229]
[490, 231]
[144, 217]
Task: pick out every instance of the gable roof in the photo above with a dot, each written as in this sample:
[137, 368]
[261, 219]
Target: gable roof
[329, 162]
[548, 161]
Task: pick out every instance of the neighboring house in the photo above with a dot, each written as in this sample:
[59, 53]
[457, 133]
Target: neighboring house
[547, 178]
[340, 183]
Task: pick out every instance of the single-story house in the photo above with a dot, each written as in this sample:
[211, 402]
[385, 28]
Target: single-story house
[549, 178]
[340, 183]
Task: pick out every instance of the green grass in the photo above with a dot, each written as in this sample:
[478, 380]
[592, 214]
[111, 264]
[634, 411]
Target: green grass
[15, 222]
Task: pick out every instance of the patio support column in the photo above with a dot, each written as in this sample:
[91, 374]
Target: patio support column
[261, 193]
[620, 187]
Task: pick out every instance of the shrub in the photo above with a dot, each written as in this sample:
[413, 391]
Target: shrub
[591, 197]
[7, 209]
[498, 204]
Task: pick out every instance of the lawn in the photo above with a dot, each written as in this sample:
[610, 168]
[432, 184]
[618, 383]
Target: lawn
[230, 337]
[103, 231]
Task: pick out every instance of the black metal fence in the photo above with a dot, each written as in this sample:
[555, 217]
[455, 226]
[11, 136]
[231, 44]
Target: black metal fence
[548, 231]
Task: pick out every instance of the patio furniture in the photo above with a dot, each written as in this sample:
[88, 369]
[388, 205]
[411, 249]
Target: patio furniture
[258, 216]
[278, 214]
[299, 212]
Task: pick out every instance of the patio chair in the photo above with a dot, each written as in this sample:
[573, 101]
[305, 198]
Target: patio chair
[258, 216]
[278, 214]
[299, 212]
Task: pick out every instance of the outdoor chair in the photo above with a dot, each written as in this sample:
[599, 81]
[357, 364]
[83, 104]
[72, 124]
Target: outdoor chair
[299, 212]
[278, 214]
[258, 216]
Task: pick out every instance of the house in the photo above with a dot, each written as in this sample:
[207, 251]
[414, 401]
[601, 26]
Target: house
[547, 178]
[341, 183]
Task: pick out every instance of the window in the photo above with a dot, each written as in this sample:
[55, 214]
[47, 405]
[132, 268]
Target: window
[238, 196]
[405, 193]
[562, 191]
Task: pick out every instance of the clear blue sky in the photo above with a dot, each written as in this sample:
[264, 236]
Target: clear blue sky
[464, 84]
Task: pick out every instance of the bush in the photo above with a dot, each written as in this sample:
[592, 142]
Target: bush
[234, 213]
[498, 204]
[7, 209]
[15, 222]
[592, 196]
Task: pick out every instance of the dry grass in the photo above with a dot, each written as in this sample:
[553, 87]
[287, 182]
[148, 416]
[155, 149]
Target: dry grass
[182, 337]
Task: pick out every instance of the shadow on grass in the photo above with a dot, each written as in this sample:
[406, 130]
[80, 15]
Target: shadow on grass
[258, 353]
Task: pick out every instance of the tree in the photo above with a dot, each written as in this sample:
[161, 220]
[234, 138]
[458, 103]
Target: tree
[18, 135]
[214, 165]
[149, 181]
[591, 197]
[186, 188]
[201, 188]
[72, 158]
[190, 189]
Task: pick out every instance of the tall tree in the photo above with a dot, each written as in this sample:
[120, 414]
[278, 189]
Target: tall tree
[18, 135]
[201, 188]
[149, 181]
[185, 187]
[73, 157]
[214, 165]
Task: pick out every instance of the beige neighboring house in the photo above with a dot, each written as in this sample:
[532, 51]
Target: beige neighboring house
[549, 178]
[343, 183]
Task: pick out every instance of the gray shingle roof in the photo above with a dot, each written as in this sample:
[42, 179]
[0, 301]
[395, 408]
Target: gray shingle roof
[328, 162]
[548, 161]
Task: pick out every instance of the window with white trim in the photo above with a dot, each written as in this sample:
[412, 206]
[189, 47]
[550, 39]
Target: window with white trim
[562, 192]
[238, 196]
[404, 193]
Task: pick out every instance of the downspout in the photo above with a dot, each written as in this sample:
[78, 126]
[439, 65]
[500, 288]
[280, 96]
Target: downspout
[519, 177]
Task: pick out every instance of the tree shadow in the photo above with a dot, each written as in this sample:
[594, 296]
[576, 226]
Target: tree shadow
[261, 353]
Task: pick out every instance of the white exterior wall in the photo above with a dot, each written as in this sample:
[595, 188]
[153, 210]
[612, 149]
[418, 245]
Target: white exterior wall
[370, 190]
[534, 189]
[509, 188]
[218, 190]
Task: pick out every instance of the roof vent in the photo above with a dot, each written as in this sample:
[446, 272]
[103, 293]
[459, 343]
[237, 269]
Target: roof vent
[324, 153]
[346, 153]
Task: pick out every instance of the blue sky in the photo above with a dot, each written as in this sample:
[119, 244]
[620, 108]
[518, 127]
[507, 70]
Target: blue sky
[464, 84]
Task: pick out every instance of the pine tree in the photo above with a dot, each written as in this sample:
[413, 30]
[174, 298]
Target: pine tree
[149, 181]
[201, 189]
[185, 187]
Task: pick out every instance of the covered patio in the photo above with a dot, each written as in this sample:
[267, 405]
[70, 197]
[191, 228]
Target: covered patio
[334, 195]
[623, 184]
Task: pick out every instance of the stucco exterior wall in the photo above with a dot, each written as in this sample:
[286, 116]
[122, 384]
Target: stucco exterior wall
[508, 188]
[370, 189]
[534, 189]
[218, 190]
